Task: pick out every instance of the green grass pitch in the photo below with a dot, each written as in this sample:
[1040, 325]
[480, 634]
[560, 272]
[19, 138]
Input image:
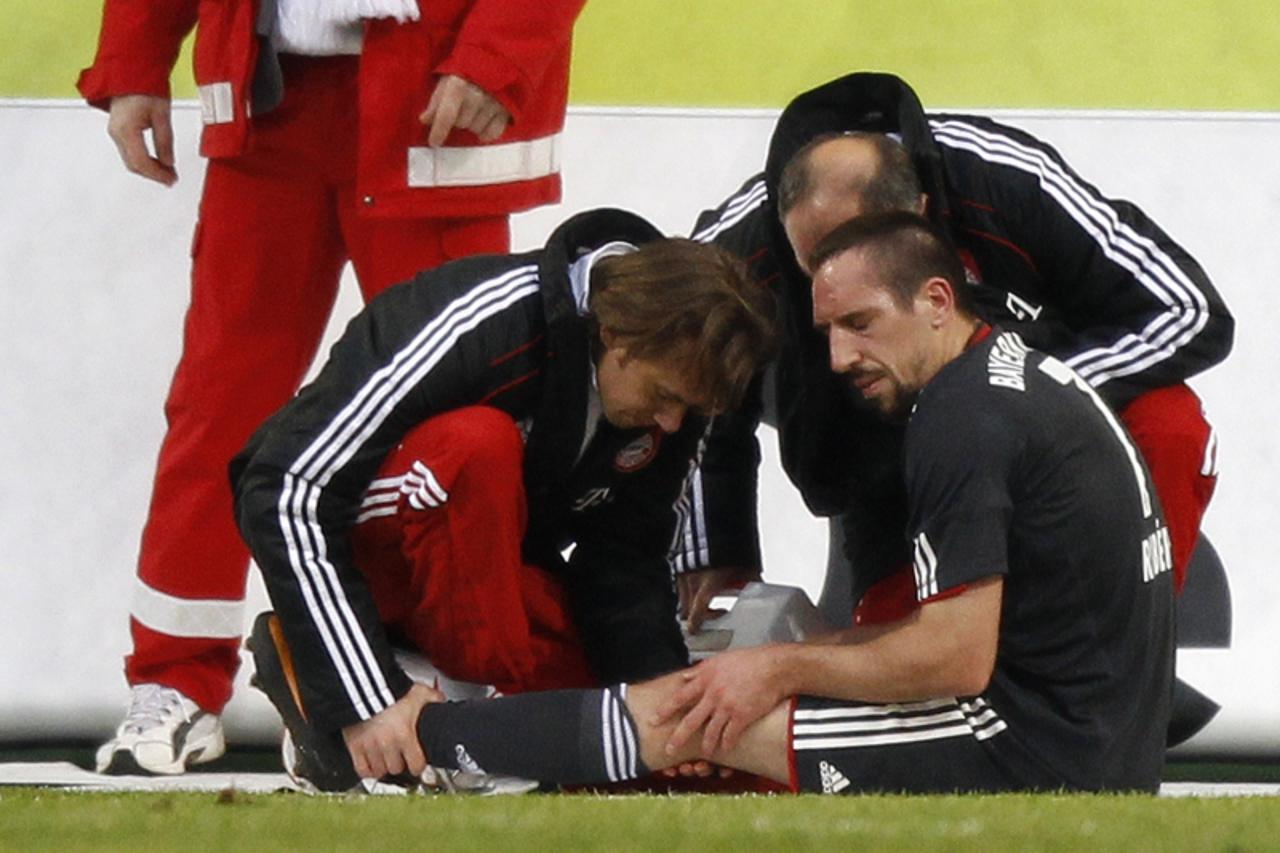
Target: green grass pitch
[50, 819]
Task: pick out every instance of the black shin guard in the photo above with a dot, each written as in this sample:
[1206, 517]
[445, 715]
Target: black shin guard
[569, 737]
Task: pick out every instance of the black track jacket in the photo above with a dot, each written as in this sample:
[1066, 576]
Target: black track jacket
[499, 331]
[1087, 279]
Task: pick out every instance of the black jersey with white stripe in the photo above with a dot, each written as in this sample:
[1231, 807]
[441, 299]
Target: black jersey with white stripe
[1016, 467]
[500, 331]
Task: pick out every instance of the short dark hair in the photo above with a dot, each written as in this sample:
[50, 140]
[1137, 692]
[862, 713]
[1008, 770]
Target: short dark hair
[676, 298]
[906, 248]
[893, 186]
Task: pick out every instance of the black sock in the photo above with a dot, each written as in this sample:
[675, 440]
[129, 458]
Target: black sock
[569, 737]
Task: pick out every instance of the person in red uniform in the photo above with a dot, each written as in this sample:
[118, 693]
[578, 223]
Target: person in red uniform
[388, 133]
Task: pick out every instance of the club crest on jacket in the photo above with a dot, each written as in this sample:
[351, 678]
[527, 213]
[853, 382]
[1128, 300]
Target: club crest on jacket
[638, 453]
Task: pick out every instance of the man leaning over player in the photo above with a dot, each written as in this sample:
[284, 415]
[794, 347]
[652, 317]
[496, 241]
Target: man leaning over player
[1090, 280]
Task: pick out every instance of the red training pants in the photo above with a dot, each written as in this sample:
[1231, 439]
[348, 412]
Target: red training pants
[438, 541]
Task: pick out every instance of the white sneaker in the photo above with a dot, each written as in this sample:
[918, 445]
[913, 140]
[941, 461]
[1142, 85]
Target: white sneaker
[163, 733]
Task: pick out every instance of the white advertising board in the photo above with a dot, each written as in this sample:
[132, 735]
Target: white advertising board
[93, 286]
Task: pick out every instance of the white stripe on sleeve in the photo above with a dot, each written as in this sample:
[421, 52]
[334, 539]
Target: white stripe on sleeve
[1186, 309]
[736, 209]
[346, 644]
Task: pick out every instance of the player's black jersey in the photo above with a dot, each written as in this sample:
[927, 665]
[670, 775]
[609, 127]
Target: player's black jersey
[501, 331]
[1015, 467]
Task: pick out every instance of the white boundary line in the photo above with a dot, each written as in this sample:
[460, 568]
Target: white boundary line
[67, 776]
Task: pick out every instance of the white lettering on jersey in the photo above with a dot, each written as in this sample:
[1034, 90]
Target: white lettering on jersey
[593, 497]
[1007, 361]
[1021, 308]
[1157, 554]
[1064, 375]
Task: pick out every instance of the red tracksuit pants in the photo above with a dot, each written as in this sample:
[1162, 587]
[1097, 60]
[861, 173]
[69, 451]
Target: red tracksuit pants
[438, 540]
[1169, 428]
[276, 227]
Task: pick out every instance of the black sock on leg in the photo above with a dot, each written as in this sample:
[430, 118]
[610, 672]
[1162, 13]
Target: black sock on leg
[569, 737]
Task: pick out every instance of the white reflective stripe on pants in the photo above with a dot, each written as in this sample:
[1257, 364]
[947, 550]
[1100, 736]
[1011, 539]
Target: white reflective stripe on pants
[181, 617]
[484, 164]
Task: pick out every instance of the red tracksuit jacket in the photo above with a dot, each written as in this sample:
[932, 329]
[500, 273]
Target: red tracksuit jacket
[518, 52]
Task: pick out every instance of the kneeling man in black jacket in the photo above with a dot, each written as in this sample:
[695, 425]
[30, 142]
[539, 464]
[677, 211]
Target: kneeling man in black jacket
[470, 428]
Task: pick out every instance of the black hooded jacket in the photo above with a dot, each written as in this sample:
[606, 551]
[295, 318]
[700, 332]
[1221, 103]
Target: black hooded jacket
[1088, 279]
[501, 331]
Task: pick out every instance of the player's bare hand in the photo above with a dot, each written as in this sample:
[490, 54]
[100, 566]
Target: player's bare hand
[130, 118]
[459, 103]
[697, 589]
[721, 697]
[387, 743]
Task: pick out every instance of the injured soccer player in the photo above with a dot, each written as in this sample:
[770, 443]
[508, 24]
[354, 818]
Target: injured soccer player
[1041, 656]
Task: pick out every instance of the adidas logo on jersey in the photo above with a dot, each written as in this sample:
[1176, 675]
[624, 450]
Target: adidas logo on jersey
[833, 781]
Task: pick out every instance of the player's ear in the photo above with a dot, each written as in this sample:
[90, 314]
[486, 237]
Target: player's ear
[941, 299]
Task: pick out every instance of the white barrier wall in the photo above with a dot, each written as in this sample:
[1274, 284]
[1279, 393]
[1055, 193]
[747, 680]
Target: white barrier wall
[93, 286]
